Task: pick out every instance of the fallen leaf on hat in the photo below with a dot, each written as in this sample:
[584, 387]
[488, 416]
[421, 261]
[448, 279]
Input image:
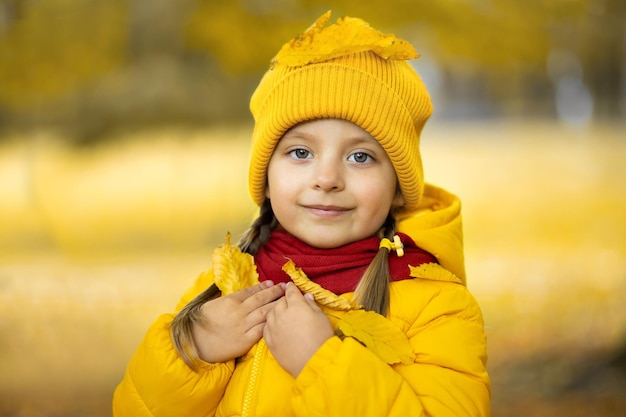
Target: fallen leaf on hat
[348, 36]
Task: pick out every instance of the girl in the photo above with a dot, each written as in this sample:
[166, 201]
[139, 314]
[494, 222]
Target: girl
[325, 308]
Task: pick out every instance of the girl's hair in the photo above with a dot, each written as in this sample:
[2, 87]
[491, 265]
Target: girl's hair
[259, 233]
[372, 292]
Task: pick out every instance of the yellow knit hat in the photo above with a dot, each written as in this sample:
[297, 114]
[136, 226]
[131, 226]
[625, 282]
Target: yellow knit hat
[349, 71]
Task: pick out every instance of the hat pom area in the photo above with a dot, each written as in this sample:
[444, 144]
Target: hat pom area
[349, 35]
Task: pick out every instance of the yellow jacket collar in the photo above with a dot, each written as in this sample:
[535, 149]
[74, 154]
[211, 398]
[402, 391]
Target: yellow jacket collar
[437, 228]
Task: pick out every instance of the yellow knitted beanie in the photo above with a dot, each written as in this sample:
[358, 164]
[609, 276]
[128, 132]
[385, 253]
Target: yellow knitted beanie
[349, 71]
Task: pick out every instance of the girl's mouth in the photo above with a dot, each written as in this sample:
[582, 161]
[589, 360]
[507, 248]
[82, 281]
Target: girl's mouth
[327, 211]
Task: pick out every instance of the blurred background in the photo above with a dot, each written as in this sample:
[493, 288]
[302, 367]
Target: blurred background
[124, 130]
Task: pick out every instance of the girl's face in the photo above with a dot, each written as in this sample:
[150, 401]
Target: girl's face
[330, 183]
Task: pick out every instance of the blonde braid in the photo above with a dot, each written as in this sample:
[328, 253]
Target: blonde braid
[372, 292]
[181, 328]
[259, 232]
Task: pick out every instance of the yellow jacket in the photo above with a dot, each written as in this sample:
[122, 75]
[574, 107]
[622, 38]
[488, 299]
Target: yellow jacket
[433, 314]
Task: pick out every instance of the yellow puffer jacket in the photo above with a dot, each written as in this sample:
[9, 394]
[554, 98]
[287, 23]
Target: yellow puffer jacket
[433, 313]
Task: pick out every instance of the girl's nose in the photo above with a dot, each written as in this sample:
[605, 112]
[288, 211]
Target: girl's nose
[328, 176]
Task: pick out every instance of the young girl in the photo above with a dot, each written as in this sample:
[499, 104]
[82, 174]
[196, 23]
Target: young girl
[325, 308]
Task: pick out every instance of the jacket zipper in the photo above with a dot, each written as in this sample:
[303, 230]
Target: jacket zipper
[254, 375]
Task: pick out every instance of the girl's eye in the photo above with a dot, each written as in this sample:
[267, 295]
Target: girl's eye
[359, 157]
[300, 154]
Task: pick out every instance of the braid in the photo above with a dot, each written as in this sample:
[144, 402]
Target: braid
[259, 232]
[389, 227]
[372, 292]
[181, 328]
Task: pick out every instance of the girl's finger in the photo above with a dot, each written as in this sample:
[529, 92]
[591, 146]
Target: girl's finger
[263, 296]
[292, 293]
[261, 314]
[310, 299]
[246, 293]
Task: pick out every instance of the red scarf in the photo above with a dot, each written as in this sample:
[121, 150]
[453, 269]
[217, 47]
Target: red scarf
[338, 270]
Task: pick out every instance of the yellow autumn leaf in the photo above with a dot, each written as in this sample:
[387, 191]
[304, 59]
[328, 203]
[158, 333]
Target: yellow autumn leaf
[433, 271]
[347, 36]
[233, 269]
[321, 295]
[379, 335]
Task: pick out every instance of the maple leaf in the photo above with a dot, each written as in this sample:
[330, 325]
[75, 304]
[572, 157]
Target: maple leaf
[379, 335]
[233, 269]
[347, 36]
[321, 295]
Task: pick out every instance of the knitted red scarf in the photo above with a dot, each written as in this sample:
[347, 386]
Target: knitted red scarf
[338, 270]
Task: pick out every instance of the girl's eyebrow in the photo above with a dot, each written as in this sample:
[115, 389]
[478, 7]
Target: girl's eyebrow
[363, 140]
[292, 138]
[297, 135]
[356, 139]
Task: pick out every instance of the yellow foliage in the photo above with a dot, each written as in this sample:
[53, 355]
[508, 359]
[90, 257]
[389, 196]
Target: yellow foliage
[233, 269]
[434, 272]
[242, 42]
[379, 335]
[322, 296]
[55, 48]
[347, 36]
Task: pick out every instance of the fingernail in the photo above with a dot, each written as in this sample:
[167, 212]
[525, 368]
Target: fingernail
[309, 296]
[283, 285]
[268, 283]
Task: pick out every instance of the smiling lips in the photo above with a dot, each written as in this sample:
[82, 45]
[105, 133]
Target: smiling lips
[326, 211]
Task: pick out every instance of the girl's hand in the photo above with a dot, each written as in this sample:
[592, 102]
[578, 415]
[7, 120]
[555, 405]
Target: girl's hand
[295, 329]
[231, 325]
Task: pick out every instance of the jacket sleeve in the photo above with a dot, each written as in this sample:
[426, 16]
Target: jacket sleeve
[158, 383]
[447, 378]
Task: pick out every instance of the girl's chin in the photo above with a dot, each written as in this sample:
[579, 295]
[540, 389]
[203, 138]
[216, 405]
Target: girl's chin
[324, 242]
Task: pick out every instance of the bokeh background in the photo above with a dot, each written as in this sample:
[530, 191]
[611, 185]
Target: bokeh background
[124, 132]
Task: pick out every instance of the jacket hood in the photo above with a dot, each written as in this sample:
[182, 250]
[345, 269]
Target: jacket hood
[437, 228]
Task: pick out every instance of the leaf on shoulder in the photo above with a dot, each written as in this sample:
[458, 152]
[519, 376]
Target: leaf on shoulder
[433, 271]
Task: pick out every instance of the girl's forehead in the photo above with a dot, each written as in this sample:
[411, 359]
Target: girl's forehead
[329, 126]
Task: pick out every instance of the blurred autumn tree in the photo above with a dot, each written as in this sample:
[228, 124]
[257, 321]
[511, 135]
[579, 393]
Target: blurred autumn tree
[92, 66]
